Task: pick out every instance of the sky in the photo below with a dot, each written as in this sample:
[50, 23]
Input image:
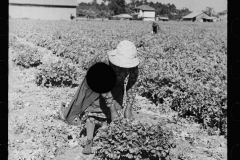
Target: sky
[192, 5]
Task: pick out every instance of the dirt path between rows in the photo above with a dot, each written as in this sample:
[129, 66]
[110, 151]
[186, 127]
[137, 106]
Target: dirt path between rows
[33, 108]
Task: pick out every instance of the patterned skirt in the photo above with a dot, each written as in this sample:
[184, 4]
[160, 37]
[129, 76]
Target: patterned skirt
[98, 112]
[98, 118]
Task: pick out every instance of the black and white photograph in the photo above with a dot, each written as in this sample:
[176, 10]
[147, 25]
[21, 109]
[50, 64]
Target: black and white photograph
[117, 80]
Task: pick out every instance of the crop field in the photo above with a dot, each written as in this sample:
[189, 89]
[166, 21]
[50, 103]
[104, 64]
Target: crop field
[181, 100]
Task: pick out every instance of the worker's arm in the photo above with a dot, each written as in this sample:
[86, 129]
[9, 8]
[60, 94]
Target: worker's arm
[133, 81]
[110, 101]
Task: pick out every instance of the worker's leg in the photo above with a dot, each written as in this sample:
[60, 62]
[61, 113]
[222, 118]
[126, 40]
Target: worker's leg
[90, 130]
[130, 100]
[114, 113]
[128, 112]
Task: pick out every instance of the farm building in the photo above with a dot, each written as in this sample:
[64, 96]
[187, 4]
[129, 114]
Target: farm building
[210, 19]
[223, 15]
[195, 16]
[122, 17]
[43, 9]
[146, 12]
[163, 18]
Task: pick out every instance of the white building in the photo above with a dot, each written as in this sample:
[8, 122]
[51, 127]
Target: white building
[43, 9]
[161, 18]
[210, 19]
[195, 17]
[145, 12]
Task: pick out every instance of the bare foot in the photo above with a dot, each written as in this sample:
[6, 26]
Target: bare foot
[88, 148]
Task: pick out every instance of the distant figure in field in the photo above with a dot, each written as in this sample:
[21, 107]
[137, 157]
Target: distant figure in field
[72, 17]
[155, 27]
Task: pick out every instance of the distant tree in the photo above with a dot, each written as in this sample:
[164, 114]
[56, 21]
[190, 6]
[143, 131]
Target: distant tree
[110, 13]
[138, 3]
[209, 11]
[103, 14]
[132, 3]
[151, 4]
[80, 13]
[129, 8]
[113, 7]
[102, 6]
[88, 10]
[185, 11]
[94, 2]
[90, 14]
[117, 6]
[144, 2]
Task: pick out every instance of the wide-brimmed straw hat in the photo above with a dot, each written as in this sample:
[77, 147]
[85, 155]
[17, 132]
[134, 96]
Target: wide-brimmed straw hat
[125, 55]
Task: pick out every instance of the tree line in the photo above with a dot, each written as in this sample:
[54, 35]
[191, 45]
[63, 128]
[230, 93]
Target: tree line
[114, 7]
[109, 8]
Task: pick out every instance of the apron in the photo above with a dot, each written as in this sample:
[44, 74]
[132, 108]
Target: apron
[87, 100]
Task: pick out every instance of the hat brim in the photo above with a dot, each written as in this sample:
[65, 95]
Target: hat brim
[122, 62]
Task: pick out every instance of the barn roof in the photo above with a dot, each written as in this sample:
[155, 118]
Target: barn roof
[145, 8]
[223, 12]
[193, 14]
[46, 2]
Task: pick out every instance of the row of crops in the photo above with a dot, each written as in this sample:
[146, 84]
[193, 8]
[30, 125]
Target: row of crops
[185, 68]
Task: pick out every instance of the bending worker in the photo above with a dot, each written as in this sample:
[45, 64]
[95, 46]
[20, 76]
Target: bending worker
[97, 108]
